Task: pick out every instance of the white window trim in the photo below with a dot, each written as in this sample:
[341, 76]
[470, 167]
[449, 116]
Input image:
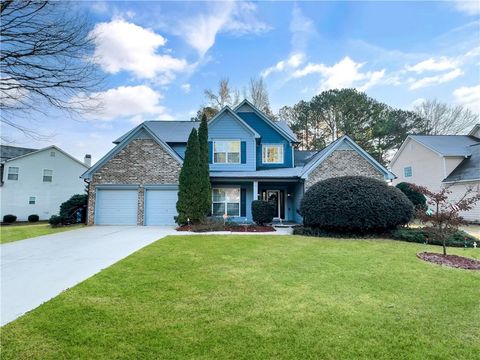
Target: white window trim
[225, 201]
[226, 152]
[264, 152]
[8, 173]
[411, 172]
[43, 175]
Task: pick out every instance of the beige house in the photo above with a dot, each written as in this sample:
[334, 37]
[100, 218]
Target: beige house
[435, 161]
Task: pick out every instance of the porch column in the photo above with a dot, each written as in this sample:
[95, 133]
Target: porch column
[255, 190]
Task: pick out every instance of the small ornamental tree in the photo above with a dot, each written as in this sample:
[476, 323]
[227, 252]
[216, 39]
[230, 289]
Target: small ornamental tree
[205, 186]
[417, 198]
[444, 218]
[190, 200]
[72, 205]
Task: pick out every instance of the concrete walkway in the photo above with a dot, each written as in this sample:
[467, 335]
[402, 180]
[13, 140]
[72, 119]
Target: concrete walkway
[38, 269]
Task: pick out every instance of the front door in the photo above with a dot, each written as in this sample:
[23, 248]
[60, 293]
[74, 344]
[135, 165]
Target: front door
[274, 196]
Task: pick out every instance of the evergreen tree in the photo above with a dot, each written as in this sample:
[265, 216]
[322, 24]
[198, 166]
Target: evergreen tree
[190, 200]
[205, 186]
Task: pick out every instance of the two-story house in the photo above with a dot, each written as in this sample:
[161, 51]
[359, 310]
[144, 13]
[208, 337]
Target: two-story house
[437, 161]
[37, 181]
[251, 157]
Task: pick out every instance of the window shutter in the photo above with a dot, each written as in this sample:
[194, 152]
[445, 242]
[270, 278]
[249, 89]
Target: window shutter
[243, 152]
[243, 202]
[210, 152]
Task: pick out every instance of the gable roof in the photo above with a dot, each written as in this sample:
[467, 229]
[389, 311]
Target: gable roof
[8, 152]
[447, 145]
[48, 148]
[169, 131]
[316, 160]
[469, 168]
[88, 174]
[281, 128]
[227, 109]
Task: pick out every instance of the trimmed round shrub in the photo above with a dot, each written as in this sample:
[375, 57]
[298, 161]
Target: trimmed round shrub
[262, 211]
[418, 200]
[69, 207]
[355, 204]
[9, 219]
[55, 220]
[33, 218]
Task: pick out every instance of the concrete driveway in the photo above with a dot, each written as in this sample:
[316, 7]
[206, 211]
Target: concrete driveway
[36, 270]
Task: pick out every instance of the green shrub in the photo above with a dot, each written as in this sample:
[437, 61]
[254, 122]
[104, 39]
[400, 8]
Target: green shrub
[355, 204]
[55, 220]
[418, 200]
[317, 232]
[422, 235]
[9, 219]
[69, 207]
[33, 218]
[262, 212]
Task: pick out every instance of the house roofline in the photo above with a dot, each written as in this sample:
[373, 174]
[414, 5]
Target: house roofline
[46, 148]
[88, 174]
[311, 165]
[266, 119]
[238, 118]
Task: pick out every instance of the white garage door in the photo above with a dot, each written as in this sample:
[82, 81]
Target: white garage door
[160, 206]
[116, 207]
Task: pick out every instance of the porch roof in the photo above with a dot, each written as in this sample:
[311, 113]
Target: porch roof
[288, 173]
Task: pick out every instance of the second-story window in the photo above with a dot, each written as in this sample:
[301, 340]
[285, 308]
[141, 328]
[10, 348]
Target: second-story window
[12, 173]
[47, 175]
[272, 154]
[226, 152]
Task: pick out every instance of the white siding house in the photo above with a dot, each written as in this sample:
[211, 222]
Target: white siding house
[437, 161]
[39, 181]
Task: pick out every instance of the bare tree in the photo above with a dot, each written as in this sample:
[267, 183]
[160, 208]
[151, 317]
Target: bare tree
[223, 96]
[258, 95]
[443, 119]
[45, 60]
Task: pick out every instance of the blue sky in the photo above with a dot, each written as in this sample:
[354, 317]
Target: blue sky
[159, 57]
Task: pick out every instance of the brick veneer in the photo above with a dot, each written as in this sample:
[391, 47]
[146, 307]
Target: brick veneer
[142, 161]
[342, 163]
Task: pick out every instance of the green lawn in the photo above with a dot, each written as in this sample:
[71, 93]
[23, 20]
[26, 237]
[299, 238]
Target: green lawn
[19, 232]
[261, 297]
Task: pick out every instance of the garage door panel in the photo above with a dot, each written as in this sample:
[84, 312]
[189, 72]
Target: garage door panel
[116, 207]
[160, 206]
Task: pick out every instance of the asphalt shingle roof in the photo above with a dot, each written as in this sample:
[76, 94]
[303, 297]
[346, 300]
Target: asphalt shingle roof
[168, 131]
[303, 156]
[448, 145]
[469, 168]
[9, 152]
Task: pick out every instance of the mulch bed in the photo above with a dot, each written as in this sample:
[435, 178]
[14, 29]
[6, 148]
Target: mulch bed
[454, 261]
[240, 228]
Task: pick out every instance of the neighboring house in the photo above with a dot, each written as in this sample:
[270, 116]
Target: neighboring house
[251, 157]
[434, 161]
[37, 181]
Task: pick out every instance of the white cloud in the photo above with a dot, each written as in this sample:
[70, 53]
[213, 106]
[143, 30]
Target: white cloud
[133, 102]
[293, 62]
[346, 73]
[434, 80]
[302, 28]
[186, 88]
[432, 64]
[469, 97]
[238, 18]
[469, 7]
[417, 102]
[121, 45]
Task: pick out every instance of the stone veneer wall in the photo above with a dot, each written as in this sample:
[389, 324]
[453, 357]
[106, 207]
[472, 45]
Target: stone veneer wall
[142, 161]
[342, 163]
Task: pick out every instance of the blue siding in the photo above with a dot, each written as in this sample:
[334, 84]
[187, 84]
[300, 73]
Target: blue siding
[229, 128]
[179, 148]
[269, 136]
